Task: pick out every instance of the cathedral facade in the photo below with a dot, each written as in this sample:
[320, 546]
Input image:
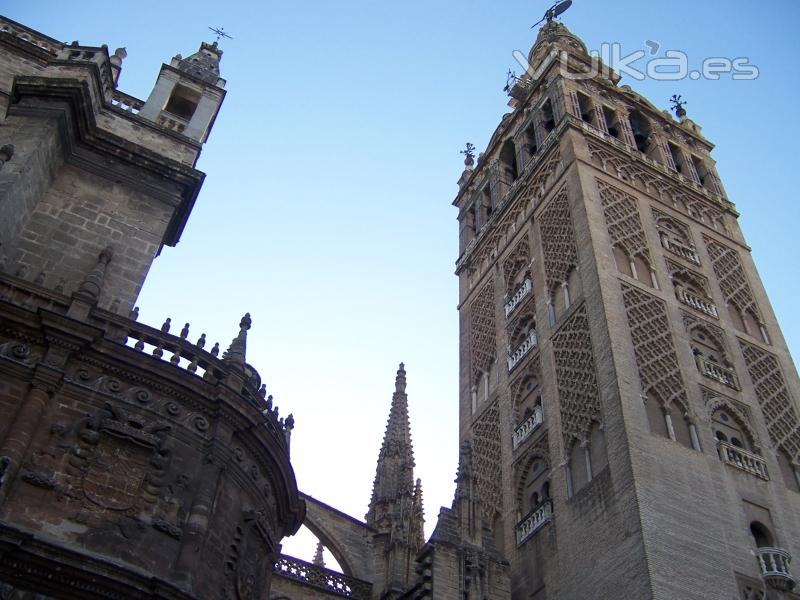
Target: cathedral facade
[628, 407]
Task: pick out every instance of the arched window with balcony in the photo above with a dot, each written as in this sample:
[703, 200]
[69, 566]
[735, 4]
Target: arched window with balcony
[710, 354]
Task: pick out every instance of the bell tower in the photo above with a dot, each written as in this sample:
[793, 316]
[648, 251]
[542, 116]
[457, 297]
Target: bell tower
[629, 399]
[188, 93]
[94, 170]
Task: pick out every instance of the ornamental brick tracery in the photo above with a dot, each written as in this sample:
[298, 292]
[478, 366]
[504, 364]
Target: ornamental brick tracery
[483, 341]
[623, 221]
[732, 280]
[558, 240]
[514, 263]
[578, 395]
[486, 457]
[656, 359]
[777, 404]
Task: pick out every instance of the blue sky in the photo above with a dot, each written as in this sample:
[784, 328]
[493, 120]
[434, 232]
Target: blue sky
[332, 165]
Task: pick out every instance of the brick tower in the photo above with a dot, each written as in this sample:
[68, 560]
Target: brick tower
[630, 401]
[133, 462]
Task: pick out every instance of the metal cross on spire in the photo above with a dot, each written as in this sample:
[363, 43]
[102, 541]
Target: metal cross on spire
[220, 33]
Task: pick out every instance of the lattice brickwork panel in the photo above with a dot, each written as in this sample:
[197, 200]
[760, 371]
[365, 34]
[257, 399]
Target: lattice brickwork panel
[653, 347]
[623, 221]
[577, 379]
[558, 240]
[483, 335]
[732, 280]
[773, 396]
[486, 457]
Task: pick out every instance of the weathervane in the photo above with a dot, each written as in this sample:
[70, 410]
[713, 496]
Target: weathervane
[220, 33]
[511, 80]
[469, 154]
[554, 11]
[677, 105]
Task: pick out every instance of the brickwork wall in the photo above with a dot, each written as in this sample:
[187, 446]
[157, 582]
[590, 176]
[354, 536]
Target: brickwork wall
[78, 216]
[23, 179]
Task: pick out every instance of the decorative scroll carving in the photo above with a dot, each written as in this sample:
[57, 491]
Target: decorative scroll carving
[483, 343]
[486, 442]
[654, 349]
[623, 222]
[773, 396]
[246, 562]
[732, 280]
[558, 240]
[577, 379]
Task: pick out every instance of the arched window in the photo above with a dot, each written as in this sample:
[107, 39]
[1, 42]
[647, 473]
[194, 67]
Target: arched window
[761, 535]
[727, 429]
[597, 450]
[531, 144]
[612, 122]
[655, 415]
[537, 487]
[546, 116]
[508, 163]
[641, 129]
[789, 472]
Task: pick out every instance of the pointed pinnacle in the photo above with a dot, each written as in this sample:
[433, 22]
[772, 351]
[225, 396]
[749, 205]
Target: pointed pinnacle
[400, 380]
[237, 351]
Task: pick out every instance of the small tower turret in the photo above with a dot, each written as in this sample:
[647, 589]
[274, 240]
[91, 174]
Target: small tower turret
[188, 93]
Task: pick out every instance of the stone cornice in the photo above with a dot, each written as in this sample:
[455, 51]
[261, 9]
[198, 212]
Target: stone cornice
[104, 153]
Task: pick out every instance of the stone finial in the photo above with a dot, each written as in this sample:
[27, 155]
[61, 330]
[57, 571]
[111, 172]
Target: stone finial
[201, 341]
[165, 327]
[185, 332]
[400, 380]
[237, 352]
[134, 316]
[469, 156]
[319, 561]
[119, 55]
[92, 285]
[6, 152]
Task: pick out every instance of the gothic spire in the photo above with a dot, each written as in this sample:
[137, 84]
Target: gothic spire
[394, 475]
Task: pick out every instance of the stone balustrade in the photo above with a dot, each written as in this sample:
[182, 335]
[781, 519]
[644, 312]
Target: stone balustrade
[126, 102]
[698, 303]
[29, 36]
[159, 344]
[743, 460]
[322, 578]
[682, 250]
[718, 373]
[529, 344]
[172, 122]
[774, 566]
[518, 296]
[527, 427]
[534, 521]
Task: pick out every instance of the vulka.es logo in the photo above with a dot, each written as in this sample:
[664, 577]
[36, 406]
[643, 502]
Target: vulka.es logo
[672, 66]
